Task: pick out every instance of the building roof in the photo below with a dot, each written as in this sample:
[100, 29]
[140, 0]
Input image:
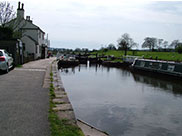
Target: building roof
[32, 27]
[26, 21]
[31, 39]
[35, 26]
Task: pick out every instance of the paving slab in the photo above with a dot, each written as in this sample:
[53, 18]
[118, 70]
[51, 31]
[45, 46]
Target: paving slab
[60, 95]
[62, 100]
[59, 88]
[68, 115]
[63, 107]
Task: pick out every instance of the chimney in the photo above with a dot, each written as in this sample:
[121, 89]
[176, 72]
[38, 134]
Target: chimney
[22, 6]
[19, 5]
[20, 11]
[28, 19]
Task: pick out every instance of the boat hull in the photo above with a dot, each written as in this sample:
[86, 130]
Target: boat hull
[162, 67]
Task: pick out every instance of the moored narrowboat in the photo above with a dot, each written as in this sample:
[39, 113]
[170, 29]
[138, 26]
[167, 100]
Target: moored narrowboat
[163, 67]
[67, 63]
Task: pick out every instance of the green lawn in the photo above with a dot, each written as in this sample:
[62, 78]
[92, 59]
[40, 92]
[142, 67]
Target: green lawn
[170, 56]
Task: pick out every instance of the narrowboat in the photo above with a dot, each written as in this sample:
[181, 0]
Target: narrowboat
[157, 66]
[130, 59]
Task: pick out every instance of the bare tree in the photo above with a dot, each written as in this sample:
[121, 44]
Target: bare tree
[160, 42]
[8, 19]
[174, 43]
[165, 44]
[125, 42]
[150, 42]
[6, 13]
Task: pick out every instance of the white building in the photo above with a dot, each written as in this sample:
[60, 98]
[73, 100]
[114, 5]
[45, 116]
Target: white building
[31, 35]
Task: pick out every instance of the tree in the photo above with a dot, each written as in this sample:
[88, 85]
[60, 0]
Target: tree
[55, 51]
[77, 50]
[111, 47]
[125, 43]
[103, 49]
[6, 13]
[160, 42]
[6, 33]
[85, 50]
[8, 20]
[165, 44]
[150, 42]
[179, 48]
[174, 43]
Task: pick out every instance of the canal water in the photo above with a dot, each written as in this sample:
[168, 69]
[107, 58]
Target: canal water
[123, 103]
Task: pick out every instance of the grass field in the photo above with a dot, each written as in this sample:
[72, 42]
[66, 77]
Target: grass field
[169, 56]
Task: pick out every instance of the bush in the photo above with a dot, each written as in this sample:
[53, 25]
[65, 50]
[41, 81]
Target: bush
[6, 33]
[179, 48]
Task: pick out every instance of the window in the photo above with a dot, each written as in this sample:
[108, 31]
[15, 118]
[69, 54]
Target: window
[171, 67]
[39, 34]
[6, 53]
[36, 48]
[1, 53]
[160, 65]
[142, 63]
[39, 49]
[42, 36]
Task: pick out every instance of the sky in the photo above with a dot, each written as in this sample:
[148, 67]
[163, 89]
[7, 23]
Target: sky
[94, 24]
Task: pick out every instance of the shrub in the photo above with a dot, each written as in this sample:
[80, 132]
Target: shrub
[179, 48]
[6, 33]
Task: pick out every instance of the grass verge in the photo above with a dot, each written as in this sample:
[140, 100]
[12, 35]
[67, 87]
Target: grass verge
[168, 56]
[60, 127]
[19, 66]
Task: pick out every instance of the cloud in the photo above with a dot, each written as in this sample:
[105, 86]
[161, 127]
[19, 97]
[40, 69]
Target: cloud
[103, 21]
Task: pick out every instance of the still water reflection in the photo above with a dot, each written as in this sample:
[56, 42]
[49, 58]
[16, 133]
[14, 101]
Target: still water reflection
[124, 104]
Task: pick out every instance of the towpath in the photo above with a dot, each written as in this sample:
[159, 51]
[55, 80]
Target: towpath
[24, 100]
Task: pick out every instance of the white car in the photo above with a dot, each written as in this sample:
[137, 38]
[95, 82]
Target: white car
[6, 61]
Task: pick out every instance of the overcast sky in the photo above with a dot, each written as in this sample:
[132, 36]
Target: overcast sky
[95, 23]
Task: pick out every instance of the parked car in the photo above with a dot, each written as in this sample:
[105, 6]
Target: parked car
[6, 60]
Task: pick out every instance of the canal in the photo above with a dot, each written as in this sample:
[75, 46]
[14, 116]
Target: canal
[123, 103]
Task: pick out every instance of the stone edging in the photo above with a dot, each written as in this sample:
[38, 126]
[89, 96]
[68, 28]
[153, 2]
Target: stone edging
[63, 107]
